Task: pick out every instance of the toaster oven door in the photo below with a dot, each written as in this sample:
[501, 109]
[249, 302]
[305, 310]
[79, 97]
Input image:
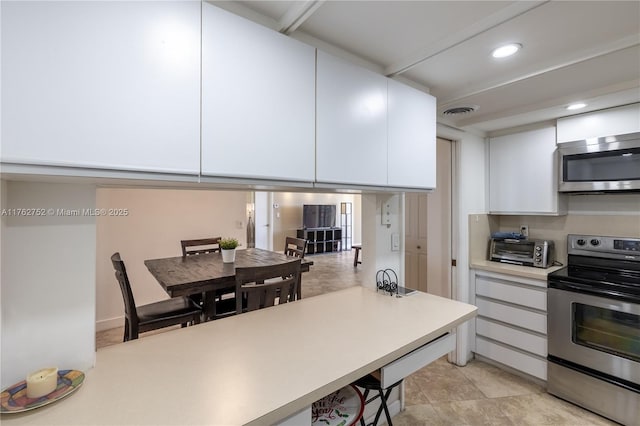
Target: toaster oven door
[512, 251]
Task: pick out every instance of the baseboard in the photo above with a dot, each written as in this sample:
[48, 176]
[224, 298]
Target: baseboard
[108, 324]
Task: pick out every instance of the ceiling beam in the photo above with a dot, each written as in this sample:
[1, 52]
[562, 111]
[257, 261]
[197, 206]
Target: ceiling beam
[295, 16]
[573, 59]
[506, 14]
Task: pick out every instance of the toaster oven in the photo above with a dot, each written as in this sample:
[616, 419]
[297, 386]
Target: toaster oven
[536, 253]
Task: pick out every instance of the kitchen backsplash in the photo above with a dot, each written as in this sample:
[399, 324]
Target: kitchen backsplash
[553, 228]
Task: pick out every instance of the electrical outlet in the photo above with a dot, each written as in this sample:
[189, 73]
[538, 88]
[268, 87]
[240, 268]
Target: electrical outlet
[524, 230]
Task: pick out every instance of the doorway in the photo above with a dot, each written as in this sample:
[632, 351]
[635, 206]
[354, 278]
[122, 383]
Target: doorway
[428, 230]
[263, 219]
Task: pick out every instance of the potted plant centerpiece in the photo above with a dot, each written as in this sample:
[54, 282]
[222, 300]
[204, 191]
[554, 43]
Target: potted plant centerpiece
[228, 249]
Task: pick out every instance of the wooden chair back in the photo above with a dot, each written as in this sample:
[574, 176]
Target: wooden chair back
[254, 291]
[295, 247]
[131, 315]
[200, 246]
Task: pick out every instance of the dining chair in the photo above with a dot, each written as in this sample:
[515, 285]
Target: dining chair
[255, 291]
[166, 313]
[295, 247]
[200, 246]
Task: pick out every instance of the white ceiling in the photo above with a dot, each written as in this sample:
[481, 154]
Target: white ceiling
[572, 50]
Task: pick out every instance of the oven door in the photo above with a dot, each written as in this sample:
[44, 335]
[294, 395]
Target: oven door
[595, 332]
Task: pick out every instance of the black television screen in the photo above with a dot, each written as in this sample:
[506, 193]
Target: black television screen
[319, 216]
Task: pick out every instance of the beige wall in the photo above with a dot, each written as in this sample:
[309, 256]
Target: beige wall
[158, 219]
[290, 211]
[156, 222]
[615, 215]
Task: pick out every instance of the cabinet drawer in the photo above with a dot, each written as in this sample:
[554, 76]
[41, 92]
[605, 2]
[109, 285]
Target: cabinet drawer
[512, 315]
[520, 339]
[526, 363]
[532, 298]
[413, 361]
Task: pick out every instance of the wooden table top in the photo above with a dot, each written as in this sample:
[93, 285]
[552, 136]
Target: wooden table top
[206, 272]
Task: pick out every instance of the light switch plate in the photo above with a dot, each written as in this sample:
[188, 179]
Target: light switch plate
[395, 242]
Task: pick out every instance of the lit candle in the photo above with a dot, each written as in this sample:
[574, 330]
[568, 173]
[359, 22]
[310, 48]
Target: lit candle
[42, 382]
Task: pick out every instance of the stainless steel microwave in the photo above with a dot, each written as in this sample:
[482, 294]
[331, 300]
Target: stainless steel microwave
[601, 164]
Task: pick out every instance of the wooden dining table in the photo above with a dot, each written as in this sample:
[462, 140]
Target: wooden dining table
[205, 273]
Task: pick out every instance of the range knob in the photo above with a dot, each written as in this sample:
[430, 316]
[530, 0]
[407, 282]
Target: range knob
[595, 242]
[581, 242]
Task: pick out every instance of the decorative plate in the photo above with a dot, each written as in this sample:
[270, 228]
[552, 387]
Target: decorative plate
[15, 400]
[343, 407]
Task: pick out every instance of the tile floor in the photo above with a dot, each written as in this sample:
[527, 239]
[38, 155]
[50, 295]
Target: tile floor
[443, 393]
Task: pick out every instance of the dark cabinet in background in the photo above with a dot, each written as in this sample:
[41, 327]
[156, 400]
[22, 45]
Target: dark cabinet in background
[321, 240]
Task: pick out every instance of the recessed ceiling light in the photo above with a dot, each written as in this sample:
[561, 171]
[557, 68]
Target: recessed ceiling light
[577, 105]
[506, 50]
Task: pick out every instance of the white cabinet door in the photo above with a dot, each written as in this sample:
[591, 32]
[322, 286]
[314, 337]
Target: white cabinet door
[412, 137]
[258, 100]
[523, 173]
[351, 123]
[111, 85]
[608, 122]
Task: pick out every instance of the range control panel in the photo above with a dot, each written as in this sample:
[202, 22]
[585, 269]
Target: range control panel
[602, 246]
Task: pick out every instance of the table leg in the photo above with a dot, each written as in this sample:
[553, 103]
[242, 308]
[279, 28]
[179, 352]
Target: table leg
[209, 305]
[355, 258]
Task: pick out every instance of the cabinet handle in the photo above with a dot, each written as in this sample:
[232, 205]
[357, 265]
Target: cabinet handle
[419, 247]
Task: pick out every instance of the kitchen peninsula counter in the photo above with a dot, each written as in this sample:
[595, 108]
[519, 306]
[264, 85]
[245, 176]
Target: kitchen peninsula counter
[255, 368]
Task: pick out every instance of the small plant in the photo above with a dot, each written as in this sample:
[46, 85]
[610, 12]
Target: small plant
[228, 243]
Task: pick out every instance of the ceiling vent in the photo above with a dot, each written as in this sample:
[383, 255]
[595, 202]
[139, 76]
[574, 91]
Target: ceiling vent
[468, 109]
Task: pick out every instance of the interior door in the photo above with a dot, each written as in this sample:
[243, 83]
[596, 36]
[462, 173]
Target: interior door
[415, 249]
[264, 238]
[428, 230]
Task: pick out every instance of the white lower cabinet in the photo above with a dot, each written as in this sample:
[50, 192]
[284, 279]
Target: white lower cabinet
[511, 327]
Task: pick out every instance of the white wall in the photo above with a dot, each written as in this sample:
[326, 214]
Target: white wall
[48, 280]
[376, 237]
[156, 222]
[470, 188]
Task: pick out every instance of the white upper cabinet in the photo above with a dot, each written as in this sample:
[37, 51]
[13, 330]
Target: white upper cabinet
[523, 176]
[608, 122]
[258, 100]
[112, 85]
[351, 124]
[412, 137]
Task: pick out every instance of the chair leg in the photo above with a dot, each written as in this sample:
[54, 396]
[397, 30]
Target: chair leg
[386, 408]
[364, 397]
[383, 405]
[126, 337]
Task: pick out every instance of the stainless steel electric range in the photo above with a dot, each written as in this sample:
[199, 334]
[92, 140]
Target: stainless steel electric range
[593, 327]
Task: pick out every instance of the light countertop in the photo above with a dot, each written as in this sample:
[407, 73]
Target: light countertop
[254, 368]
[517, 270]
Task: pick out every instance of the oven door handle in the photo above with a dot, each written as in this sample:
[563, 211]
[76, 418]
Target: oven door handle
[575, 287]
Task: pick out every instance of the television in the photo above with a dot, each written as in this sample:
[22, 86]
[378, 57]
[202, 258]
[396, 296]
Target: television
[318, 216]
